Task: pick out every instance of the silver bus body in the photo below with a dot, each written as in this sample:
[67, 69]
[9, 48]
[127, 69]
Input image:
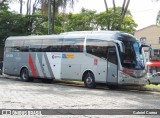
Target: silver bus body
[70, 56]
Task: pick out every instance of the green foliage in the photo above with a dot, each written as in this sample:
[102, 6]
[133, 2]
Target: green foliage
[110, 20]
[11, 25]
[4, 5]
[80, 22]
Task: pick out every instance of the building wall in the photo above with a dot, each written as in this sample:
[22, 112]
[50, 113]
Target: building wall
[152, 34]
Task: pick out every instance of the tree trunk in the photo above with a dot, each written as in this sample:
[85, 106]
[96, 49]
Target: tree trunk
[21, 5]
[106, 6]
[114, 6]
[124, 2]
[28, 7]
[49, 17]
[53, 15]
[124, 11]
[35, 6]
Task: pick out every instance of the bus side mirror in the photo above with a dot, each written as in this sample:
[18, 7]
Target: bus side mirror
[143, 45]
[151, 51]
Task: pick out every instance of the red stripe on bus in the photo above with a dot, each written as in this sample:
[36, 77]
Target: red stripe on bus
[33, 70]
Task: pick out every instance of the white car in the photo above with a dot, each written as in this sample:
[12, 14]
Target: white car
[154, 79]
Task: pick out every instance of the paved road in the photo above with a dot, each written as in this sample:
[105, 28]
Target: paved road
[15, 94]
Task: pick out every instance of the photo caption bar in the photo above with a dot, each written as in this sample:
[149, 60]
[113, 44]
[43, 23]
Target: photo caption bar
[38, 112]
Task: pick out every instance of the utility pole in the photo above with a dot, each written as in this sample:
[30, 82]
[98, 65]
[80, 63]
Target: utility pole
[53, 15]
[49, 16]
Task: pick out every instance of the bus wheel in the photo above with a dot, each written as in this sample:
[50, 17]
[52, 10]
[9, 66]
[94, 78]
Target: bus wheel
[25, 75]
[89, 80]
[148, 81]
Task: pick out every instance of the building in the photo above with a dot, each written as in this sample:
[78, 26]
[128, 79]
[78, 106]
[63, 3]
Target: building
[151, 35]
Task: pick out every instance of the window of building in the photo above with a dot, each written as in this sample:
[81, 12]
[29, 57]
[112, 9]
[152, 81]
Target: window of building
[143, 39]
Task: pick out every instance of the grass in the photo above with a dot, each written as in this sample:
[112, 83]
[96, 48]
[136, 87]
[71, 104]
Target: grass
[146, 87]
[151, 86]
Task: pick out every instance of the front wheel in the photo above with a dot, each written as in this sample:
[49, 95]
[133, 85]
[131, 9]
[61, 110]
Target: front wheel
[89, 80]
[24, 75]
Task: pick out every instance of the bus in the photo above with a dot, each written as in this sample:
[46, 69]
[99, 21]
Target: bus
[110, 57]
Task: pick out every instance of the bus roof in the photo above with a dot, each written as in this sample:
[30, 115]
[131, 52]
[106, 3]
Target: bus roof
[91, 32]
[104, 35]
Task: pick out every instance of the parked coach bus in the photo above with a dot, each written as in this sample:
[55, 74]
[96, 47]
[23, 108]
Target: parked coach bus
[111, 57]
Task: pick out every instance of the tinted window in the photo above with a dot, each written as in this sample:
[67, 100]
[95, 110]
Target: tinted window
[112, 56]
[25, 47]
[52, 45]
[35, 45]
[97, 47]
[73, 45]
[14, 45]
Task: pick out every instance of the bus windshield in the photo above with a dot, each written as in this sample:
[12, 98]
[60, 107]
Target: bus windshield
[132, 58]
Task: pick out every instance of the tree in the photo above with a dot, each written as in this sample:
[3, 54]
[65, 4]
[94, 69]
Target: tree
[110, 20]
[79, 22]
[158, 19]
[56, 4]
[21, 6]
[4, 5]
[123, 11]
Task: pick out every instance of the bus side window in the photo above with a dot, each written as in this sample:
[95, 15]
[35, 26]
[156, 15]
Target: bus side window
[112, 56]
[72, 45]
[97, 47]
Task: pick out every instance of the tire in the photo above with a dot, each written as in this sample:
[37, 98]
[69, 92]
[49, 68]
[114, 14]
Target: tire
[148, 81]
[24, 75]
[89, 80]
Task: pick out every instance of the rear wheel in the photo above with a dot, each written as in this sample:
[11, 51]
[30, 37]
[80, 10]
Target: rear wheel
[148, 81]
[24, 75]
[89, 80]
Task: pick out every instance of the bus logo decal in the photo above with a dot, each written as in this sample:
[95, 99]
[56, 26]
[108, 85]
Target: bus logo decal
[68, 56]
[33, 70]
[56, 56]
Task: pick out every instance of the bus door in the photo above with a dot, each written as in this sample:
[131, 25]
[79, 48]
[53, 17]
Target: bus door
[112, 66]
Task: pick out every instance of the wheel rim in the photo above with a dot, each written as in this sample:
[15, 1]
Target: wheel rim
[89, 80]
[24, 75]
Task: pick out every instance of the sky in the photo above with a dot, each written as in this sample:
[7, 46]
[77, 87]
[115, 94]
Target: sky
[144, 12]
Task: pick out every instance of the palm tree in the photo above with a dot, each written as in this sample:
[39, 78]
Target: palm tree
[55, 5]
[123, 11]
[158, 19]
